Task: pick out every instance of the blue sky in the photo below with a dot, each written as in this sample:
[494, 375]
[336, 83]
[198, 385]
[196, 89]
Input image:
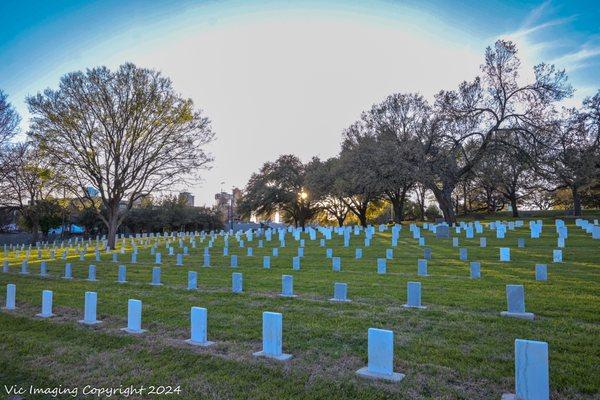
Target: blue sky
[286, 77]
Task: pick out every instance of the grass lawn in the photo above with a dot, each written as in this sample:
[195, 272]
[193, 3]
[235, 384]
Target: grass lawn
[457, 348]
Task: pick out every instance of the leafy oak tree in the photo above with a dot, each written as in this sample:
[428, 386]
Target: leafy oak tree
[357, 182]
[320, 183]
[395, 124]
[279, 186]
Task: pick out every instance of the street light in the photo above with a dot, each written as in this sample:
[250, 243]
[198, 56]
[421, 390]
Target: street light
[303, 195]
[230, 211]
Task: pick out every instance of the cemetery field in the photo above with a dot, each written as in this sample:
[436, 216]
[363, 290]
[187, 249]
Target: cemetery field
[459, 347]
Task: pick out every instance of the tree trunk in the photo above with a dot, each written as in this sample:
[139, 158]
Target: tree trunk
[488, 200]
[465, 201]
[302, 223]
[340, 220]
[456, 204]
[360, 210]
[576, 201]
[35, 231]
[444, 199]
[397, 200]
[398, 209]
[421, 199]
[113, 226]
[513, 205]
[363, 219]
[361, 213]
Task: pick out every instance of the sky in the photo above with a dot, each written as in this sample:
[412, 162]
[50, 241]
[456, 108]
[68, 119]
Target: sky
[281, 77]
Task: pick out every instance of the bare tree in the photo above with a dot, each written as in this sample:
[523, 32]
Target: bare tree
[508, 169]
[27, 179]
[571, 155]
[541, 196]
[472, 116]
[121, 134]
[420, 192]
[486, 194]
[9, 119]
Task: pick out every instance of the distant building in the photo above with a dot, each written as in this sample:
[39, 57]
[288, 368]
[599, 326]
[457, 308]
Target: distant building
[226, 205]
[137, 203]
[187, 198]
[140, 201]
[92, 191]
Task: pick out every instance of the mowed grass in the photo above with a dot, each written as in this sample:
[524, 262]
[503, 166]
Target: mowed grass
[458, 348]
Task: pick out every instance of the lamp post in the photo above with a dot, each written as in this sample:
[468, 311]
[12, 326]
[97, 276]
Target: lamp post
[302, 196]
[230, 211]
[64, 217]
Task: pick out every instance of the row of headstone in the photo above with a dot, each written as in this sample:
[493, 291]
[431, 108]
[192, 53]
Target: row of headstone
[541, 273]
[531, 357]
[340, 289]
[499, 226]
[296, 232]
[515, 294]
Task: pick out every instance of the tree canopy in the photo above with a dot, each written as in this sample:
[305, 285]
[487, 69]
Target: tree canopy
[500, 139]
[120, 134]
[9, 119]
[279, 186]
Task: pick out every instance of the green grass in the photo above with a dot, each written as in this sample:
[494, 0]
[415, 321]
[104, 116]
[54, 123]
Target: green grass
[458, 348]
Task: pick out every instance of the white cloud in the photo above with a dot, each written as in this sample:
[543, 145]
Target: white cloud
[577, 59]
[527, 30]
[537, 13]
[536, 40]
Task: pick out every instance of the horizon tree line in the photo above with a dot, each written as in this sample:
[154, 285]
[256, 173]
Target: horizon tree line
[494, 141]
[108, 139]
[105, 138]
